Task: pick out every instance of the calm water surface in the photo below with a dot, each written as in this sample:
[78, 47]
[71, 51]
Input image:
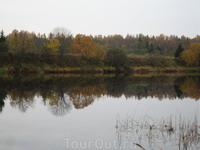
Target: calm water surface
[99, 112]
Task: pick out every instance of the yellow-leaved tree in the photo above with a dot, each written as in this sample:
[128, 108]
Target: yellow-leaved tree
[53, 45]
[196, 48]
[86, 47]
[191, 56]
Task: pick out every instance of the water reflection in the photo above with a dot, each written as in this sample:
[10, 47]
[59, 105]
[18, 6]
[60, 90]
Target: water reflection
[3, 95]
[61, 93]
[60, 106]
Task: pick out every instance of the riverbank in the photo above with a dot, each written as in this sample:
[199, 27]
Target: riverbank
[99, 70]
[33, 63]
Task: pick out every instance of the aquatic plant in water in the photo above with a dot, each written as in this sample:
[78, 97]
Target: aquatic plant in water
[175, 131]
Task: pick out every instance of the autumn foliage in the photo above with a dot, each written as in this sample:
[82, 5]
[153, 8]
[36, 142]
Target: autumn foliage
[86, 47]
[189, 57]
[192, 55]
[23, 50]
[22, 41]
[53, 45]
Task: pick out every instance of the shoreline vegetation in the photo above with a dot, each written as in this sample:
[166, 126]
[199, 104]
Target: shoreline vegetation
[103, 70]
[135, 65]
[22, 52]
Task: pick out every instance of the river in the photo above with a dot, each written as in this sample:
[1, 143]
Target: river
[100, 112]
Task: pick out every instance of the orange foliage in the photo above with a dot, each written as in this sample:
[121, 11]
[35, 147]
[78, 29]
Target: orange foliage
[85, 46]
[195, 46]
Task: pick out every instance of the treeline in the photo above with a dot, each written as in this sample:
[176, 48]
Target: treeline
[146, 45]
[59, 93]
[112, 50]
[132, 44]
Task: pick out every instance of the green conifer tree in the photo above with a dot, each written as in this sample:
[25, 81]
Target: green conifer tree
[151, 49]
[3, 44]
[147, 45]
[178, 51]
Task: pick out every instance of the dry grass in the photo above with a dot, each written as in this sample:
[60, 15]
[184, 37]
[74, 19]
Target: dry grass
[182, 132]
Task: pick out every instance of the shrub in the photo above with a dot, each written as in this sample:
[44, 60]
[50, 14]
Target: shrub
[116, 58]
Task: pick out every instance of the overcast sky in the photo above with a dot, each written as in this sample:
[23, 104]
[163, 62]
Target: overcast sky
[105, 17]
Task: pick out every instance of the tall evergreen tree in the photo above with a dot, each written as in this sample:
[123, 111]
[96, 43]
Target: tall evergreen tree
[159, 49]
[140, 39]
[3, 44]
[147, 45]
[151, 49]
[2, 37]
[178, 51]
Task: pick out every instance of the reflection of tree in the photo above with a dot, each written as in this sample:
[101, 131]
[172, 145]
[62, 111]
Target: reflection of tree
[83, 90]
[87, 91]
[82, 97]
[22, 100]
[145, 86]
[21, 91]
[61, 107]
[116, 86]
[3, 95]
[190, 86]
[178, 91]
[59, 103]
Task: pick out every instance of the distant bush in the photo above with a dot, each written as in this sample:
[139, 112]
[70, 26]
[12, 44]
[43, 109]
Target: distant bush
[157, 61]
[152, 61]
[116, 58]
[138, 61]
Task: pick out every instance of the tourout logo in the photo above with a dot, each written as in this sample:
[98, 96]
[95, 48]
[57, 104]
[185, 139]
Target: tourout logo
[98, 144]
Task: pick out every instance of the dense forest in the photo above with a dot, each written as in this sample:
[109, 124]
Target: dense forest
[23, 49]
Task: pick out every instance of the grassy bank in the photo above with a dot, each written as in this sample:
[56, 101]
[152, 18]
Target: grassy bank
[100, 70]
[2, 72]
[143, 70]
[35, 63]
